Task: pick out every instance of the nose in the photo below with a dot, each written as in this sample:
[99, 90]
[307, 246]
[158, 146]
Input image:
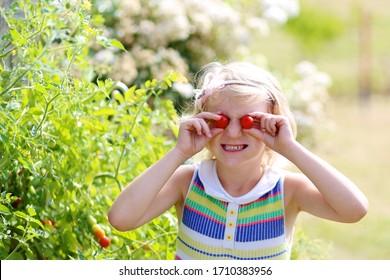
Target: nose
[234, 129]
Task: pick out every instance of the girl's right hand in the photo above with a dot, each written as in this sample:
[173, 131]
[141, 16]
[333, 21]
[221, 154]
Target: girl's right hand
[194, 133]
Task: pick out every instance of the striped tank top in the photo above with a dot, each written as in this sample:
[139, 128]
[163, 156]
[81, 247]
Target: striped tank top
[216, 225]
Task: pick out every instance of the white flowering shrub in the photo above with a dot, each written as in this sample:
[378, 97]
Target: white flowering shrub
[182, 35]
[308, 94]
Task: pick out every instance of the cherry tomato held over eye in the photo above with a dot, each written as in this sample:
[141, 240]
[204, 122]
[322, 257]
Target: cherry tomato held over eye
[247, 122]
[222, 122]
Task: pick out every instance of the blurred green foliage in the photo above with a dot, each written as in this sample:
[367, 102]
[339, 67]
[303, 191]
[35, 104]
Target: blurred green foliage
[314, 26]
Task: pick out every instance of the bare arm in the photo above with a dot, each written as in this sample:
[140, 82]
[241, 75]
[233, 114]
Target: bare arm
[132, 208]
[162, 184]
[328, 193]
[323, 191]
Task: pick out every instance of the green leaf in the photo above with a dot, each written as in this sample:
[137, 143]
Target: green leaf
[69, 239]
[107, 43]
[4, 139]
[25, 162]
[103, 41]
[80, 254]
[20, 227]
[129, 94]
[40, 88]
[118, 96]
[4, 210]
[17, 38]
[20, 214]
[105, 112]
[38, 222]
[88, 179]
[98, 20]
[117, 44]
[35, 111]
[31, 211]
[151, 233]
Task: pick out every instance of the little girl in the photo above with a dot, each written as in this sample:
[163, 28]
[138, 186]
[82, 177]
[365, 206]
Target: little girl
[236, 204]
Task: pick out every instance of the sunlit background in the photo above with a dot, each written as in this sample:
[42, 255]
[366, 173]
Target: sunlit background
[332, 58]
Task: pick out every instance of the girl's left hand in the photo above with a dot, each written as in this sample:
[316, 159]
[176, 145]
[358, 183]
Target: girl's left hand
[274, 130]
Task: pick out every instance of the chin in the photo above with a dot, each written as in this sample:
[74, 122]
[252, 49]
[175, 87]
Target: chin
[234, 162]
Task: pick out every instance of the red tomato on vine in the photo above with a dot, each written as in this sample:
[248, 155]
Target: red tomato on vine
[98, 232]
[104, 241]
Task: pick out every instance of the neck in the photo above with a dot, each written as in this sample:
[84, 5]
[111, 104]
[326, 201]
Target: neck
[239, 180]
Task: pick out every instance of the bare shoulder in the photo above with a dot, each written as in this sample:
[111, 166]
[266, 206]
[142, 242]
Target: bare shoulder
[184, 173]
[295, 184]
[182, 177]
[294, 180]
[181, 181]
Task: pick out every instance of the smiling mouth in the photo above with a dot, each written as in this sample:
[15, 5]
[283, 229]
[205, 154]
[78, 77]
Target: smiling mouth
[233, 148]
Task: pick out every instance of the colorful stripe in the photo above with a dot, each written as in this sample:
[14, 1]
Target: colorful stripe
[192, 248]
[258, 231]
[225, 256]
[201, 223]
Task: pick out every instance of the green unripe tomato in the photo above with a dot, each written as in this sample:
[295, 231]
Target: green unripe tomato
[5, 74]
[7, 97]
[91, 220]
[114, 240]
[32, 190]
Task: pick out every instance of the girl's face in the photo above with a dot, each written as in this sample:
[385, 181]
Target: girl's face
[235, 147]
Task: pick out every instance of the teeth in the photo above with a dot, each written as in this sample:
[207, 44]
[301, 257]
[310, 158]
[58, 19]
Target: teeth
[233, 148]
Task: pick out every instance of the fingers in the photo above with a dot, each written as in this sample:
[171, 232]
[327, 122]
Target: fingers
[200, 124]
[205, 119]
[209, 116]
[204, 128]
[197, 125]
[268, 123]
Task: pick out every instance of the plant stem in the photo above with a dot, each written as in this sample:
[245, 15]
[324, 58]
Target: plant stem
[15, 81]
[46, 109]
[140, 106]
[109, 175]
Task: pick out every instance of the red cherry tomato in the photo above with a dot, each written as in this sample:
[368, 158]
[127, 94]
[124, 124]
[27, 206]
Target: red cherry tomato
[247, 122]
[16, 203]
[50, 221]
[104, 241]
[222, 122]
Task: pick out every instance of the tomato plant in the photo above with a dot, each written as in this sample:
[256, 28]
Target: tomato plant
[69, 141]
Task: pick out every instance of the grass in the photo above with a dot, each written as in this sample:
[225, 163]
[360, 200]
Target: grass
[359, 146]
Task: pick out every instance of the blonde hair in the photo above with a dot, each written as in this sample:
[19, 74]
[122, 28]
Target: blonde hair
[246, 82]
